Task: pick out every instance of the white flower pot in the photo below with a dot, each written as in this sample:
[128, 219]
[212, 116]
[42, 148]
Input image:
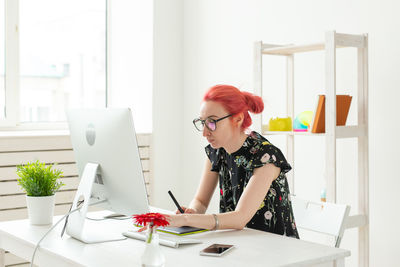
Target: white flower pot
[40, 209]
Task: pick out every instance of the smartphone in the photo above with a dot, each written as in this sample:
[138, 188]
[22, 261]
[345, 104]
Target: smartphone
[216, 250]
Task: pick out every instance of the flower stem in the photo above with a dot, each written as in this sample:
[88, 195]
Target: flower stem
[150, 236]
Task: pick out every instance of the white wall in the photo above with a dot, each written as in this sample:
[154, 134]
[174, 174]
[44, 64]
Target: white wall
[218, 48]
[167, 100]
[211, 41]
[130, 72]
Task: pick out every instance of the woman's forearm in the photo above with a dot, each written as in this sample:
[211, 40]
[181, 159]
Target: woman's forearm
[199, 207]
[228, 220]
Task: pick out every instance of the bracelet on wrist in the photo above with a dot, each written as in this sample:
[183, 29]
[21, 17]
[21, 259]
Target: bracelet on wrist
[216, 222]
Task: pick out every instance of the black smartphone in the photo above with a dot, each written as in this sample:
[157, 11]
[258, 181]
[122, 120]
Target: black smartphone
[216, 250]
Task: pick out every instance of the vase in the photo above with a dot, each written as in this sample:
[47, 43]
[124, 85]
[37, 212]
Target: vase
[152, 255]
[40, 209]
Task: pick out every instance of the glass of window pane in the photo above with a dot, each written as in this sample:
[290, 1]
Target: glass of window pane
[2, 60]
[62, 57]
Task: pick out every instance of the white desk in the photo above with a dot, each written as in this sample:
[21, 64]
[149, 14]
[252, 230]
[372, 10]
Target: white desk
[253, 248]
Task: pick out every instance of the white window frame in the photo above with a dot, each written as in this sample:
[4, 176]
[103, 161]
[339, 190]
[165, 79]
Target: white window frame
[11, 64]
[12, 73]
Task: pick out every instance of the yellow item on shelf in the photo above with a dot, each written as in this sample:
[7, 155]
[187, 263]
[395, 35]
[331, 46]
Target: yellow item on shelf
[280, 124]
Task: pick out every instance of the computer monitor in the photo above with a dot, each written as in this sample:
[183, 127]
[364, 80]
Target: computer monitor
[109, 167]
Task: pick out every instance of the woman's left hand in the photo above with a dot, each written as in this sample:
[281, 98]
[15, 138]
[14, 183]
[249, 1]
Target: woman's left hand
[175, 220]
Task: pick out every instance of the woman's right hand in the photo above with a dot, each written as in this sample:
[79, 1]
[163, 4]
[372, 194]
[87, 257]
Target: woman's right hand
[186, 210]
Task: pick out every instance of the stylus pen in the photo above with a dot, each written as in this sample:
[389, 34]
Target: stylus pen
[176, 202]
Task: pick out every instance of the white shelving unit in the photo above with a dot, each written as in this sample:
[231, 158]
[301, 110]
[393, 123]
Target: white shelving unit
[333, 41]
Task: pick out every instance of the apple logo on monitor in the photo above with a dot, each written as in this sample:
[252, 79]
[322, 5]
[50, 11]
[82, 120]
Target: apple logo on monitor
[90, 134]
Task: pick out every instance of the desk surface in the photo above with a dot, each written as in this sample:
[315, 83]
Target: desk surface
[253, 248]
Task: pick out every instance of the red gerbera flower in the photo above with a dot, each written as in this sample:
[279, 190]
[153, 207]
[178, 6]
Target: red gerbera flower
[155, 219]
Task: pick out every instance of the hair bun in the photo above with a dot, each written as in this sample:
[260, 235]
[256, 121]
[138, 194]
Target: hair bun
[235, 101]
[254, 102]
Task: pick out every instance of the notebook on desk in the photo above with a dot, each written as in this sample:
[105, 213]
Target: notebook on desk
[169, 241]
[180, 231]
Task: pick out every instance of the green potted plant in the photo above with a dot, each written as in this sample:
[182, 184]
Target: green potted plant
[40, 182]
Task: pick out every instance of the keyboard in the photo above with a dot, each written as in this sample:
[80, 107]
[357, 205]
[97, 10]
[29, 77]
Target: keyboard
[164, 239]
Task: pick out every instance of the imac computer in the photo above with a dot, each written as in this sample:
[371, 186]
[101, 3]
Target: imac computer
[109, 167]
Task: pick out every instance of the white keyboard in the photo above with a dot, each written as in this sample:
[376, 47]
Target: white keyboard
[165, 240]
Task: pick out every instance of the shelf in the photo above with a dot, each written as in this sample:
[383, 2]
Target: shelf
[356, 221]
[291, 133]
[341, 132]
[350, 131]
[327, 48]
[291, 49]
[342, 40]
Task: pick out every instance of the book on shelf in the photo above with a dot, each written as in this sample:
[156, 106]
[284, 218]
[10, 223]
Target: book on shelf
[342, 110]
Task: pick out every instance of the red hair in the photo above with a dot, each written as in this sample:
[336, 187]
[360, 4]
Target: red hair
[235, 101]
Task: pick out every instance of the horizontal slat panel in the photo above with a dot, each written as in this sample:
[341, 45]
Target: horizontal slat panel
[147, 177]
[9, 173]
[34, 143]
[68, 169]
[65, 196]
[19, 201]
[16, 158]
[146, 165]
[144, 152]
[148, 190]
[143, 139]
[11, 259]
[12, 187]
[49, 149]
[50, 142]
[18, 214]
[22, 265]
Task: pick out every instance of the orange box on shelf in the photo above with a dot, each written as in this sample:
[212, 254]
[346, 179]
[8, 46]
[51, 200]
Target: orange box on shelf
[342, 110]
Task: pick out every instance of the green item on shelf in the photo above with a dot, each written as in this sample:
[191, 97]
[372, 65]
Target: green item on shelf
[280, 124]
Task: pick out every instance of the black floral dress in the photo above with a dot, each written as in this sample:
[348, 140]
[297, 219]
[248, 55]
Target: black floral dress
[275, 213]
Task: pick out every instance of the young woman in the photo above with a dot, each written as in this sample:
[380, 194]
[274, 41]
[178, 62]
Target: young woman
[251, 171]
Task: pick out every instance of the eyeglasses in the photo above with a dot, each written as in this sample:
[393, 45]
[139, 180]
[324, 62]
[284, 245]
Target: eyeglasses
[211, 124]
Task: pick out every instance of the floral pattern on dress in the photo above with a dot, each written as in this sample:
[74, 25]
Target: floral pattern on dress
[235, 170]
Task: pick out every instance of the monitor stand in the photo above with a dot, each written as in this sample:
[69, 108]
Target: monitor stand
[78, 226]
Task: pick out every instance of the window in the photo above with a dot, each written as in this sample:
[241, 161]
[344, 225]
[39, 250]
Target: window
[66, 54]
[62, 57]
